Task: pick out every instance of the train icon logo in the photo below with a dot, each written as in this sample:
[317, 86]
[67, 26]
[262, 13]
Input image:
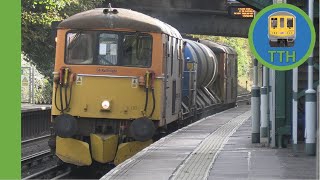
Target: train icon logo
[282, 29]
[282, 37]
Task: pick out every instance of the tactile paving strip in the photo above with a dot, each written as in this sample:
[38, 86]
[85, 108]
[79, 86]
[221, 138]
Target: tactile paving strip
[200, 161]
[162, 159]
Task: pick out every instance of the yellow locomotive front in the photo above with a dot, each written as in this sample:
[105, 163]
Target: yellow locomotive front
[108, 85]
[281, 29]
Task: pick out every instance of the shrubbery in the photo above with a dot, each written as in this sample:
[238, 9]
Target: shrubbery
[241, 45]
[41, 85]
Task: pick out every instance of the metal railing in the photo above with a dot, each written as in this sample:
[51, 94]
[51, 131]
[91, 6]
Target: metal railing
[35, 123]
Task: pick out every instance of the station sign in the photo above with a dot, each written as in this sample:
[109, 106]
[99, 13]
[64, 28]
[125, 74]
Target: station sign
[282, 37]
[24, 81]
[241, 12]
[25, 85]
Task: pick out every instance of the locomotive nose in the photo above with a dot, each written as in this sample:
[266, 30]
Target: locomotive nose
[65, 125]
[142, 129]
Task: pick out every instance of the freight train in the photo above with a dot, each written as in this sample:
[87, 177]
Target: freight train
[122, 77]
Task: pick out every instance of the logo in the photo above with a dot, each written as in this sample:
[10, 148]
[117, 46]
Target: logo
[282, 37]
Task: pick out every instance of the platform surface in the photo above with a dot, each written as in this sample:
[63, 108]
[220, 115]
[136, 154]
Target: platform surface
[25, 107]
[240, 159]
[185, 154]
[217, 147]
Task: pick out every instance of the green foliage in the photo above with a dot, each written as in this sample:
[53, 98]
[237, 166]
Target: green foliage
[41, 85]
[241, 45]
[36, 17]
[43, 91]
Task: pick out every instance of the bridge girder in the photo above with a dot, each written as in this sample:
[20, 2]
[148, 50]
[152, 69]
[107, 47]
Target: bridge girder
[217, 23]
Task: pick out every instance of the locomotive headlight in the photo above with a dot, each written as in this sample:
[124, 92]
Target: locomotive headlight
[105, 105]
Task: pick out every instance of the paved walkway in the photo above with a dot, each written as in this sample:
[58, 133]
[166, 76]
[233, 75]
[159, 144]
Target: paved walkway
[184, 154]
[217, 147]
[240, 159]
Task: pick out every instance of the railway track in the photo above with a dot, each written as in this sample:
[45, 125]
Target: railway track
[54, 172]
[35, 139]
[40, 159]
[36, 157]
[244, 97]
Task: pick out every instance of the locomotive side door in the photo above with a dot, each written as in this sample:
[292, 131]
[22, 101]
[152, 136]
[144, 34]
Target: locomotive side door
[172, 81]
[177, 77]
[167, 87]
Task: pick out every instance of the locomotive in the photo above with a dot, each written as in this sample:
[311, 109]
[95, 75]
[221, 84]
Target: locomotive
[121, 77]
[282, 29]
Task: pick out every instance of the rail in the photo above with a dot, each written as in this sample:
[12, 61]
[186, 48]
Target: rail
[55, 172]
[36, 157]
[63, 175]
[244, 97]
[35, 139]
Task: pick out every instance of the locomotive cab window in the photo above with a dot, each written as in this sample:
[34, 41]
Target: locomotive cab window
[282, 22]
[108, 48]
[137, 50]
[79, 49]
[274, 22]
[290, 22]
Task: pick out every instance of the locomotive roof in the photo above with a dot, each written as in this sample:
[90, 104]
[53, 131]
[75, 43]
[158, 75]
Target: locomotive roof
[216, 47]
[117, 18]
[281, 13]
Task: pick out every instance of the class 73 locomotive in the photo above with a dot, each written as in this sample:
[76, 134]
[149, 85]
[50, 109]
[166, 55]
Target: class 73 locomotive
[122, 77]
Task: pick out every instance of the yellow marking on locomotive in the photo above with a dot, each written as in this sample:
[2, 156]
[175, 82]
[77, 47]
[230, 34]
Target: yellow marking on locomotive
[127, 102]
[129, 149]
[103, 147]
[73, 151]
[282, 25]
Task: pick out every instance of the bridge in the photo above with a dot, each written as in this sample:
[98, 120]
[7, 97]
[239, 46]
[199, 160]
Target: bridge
[207, 17]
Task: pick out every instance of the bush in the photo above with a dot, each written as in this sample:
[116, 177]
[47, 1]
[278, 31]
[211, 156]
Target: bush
[42, 85]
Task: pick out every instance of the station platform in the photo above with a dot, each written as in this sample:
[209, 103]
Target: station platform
[216, 147]
[26, 107]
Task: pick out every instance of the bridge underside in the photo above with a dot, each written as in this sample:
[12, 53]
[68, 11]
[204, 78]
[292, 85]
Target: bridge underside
[207, 17]
[216, 23]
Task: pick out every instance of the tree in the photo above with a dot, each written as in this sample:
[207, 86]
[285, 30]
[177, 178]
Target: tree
[241, 46]
[37, 15]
